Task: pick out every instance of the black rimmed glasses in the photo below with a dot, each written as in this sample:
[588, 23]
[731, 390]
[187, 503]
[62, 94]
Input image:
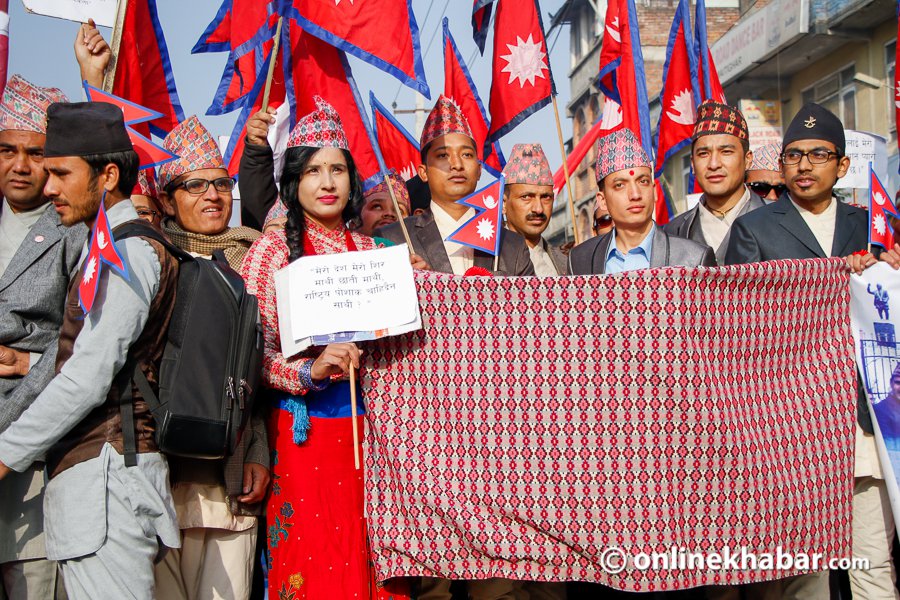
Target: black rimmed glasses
[195, 187]
[816, 156]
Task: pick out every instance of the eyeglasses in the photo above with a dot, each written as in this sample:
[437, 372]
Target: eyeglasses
[603, 221]
[762, 188]
[146, 212]
[195, 187]
[816, 157]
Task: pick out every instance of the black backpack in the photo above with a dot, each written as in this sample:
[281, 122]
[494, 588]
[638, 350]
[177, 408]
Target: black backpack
[211, 363]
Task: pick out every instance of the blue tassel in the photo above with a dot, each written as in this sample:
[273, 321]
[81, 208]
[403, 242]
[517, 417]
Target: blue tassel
[296, 405]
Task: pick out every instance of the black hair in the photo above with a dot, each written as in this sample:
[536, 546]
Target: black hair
[127, 161]
[423, 152]
[295, 161]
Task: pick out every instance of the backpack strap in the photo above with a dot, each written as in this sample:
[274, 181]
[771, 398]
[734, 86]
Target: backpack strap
[126, 410]
[140, 228]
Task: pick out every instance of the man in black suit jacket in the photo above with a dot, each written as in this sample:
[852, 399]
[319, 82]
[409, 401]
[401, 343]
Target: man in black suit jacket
[807, 221]
[451, 169]
[626, 190]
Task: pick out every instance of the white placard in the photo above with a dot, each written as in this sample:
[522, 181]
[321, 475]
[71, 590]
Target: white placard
[352, 296]
[863, 148]
[103, 12]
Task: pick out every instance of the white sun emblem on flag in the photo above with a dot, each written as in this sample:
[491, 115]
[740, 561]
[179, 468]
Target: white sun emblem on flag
[338, 2]
[408, 172]
[485, 229]
[90, 269]
[525, 61]
[879, 224]
[682, 111]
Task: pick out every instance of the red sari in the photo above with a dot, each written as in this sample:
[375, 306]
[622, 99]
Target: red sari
[317, 538]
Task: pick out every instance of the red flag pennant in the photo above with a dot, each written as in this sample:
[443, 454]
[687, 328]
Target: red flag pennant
[400, 150]
[521, 79]
[459, 87]
[482, 231]
[143, 69]
[4, 42]
[102, 251]
[881, 233]
[384, 34]
[149, 153]
[711, 87]
[481, 18]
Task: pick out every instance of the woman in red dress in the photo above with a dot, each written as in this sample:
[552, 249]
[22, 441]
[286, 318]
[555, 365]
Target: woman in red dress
[316, 528]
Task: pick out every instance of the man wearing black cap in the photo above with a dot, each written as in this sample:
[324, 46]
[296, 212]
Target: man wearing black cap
[807, 221]
[103, 520]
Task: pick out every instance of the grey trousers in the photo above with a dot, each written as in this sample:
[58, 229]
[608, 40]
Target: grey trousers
[34, 579]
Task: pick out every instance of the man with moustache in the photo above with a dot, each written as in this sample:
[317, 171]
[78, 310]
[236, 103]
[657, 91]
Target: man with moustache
[807, 221]
[37, 256]
[104, 520]
[625, 181]
[720, 156]
[528, 203]
[451, 169]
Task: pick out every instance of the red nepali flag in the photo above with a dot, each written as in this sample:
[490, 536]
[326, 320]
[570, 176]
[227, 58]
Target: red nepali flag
[482, 231]
[102, 251]
[679, 100]
[143, 69]
[398, 147]
[881, 209]
[481, 19]
[384, 34]
[521, 79]
[459, 87]
[711, 88]
[622, 76]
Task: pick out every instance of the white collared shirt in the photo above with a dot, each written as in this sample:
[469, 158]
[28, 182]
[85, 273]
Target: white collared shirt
[822, 224]
[461, 257]
[543, 263]
[716, 228]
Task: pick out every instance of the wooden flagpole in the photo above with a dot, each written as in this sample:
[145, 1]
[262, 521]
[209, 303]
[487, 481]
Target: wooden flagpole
[353, 416]
[400, 220]
[114, 44]
[271, 73]
[569, 190]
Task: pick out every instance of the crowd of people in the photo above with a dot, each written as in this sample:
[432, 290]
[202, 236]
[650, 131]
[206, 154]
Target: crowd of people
[78, 519]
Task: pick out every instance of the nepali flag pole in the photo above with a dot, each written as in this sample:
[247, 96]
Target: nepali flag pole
[881, 233]
[484, 230]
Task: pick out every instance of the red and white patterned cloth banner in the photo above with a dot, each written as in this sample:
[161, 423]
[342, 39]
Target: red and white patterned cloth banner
[535, 423]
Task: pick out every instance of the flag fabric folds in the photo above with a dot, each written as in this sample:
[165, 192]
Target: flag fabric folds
[481, 20]
[521, 81]
[143, 69]
[710, 87]
[384, 34]
[498, 436]
[678, 100]
[881, 209]
[483, 231]
[398, 147]
[459, 87]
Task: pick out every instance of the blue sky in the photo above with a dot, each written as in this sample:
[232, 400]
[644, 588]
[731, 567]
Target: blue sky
[41, 51]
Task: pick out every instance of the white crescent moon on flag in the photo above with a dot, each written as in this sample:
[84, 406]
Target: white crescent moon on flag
[101, 240]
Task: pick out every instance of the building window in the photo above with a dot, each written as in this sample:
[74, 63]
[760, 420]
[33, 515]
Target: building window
[580, 123]
[837, 93]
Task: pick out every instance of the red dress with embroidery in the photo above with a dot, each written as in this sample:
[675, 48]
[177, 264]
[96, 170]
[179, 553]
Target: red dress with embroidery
[316, 528]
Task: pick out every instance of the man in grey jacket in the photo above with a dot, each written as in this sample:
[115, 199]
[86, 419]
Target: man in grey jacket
[626, 190]
[37, 256]
[720, 157]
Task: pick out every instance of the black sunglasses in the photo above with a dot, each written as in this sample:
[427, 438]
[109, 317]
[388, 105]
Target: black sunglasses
[762, 188]
[602, 221]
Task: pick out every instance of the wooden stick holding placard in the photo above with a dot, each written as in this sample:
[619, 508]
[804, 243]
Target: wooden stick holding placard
[353, 416]
[114, 44]
[399, 214]
[569, 190]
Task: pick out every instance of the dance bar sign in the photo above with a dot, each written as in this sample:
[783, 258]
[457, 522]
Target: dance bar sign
[346, 297]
